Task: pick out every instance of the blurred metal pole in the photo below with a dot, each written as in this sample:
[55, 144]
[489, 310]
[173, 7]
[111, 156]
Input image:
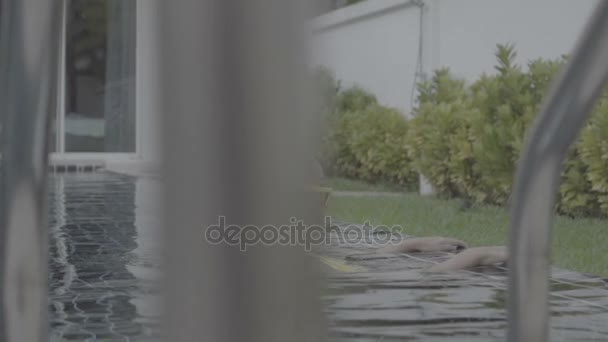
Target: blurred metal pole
[29, 36]
[563, 115]
[237, 126]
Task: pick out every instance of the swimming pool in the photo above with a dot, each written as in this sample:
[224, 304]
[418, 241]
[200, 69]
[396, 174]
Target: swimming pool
[105, 271]
[104, 257]
[388, 298]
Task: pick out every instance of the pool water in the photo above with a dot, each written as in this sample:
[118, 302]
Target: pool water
[105, 260]
[104, 257]
[388, 298]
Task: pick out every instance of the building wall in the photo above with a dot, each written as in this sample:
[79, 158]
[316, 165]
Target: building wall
[375, 43]
[470, 29]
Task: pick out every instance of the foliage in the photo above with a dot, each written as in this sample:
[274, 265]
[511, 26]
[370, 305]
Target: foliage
[504, 109]
[576, 195]
[353, 99]
[377, 140]
[362, 139]
[466, 139]
[594, 153]
[439, 137]
[337, 157]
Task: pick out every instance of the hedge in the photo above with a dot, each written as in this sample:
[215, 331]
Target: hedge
[465, 138]
[363, 139]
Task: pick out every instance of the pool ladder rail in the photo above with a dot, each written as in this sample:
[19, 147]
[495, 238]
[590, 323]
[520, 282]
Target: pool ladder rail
[562, 116]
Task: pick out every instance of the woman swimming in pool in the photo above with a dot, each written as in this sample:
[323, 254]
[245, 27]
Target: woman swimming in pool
[473, 257]
[425, 244]
[465, 257]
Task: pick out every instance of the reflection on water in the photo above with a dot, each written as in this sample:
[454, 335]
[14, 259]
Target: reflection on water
[104, 249]
[392, 300]
[103, 257]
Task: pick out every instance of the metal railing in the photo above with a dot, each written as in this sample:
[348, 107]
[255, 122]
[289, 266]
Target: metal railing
[29, 35]
[560, 120]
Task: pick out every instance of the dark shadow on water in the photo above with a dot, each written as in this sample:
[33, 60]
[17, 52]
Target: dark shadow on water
[92, 238]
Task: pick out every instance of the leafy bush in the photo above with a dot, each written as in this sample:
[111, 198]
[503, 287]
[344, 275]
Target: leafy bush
[468, 140]
[576, 196]
[443, 88]
[594, 153]
[439, 142]
[337, 157]
[362, 139]
[465, 139]
[505, 107]
[353, 99]
[377, 140]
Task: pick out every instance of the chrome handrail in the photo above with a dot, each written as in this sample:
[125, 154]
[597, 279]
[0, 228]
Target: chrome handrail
[561, 118]
[29, 37]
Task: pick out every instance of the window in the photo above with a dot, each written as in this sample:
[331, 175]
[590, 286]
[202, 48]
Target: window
[99, 78]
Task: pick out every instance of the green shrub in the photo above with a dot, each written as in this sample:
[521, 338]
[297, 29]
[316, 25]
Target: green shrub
[541, 74]
[439, 139]
[466, 140]
[361, 139]
[337, 158]
[377, 140]
[353, 99]
[594, 152]
[442, 88]
[576, 196]
[504, 108]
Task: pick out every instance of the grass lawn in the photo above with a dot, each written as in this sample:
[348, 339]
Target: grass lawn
[345, 184]
[578, 244]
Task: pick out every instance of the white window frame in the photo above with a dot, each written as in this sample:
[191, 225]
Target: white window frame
[60, 155]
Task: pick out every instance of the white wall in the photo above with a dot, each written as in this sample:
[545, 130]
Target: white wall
[468, 31]
[375, 43]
